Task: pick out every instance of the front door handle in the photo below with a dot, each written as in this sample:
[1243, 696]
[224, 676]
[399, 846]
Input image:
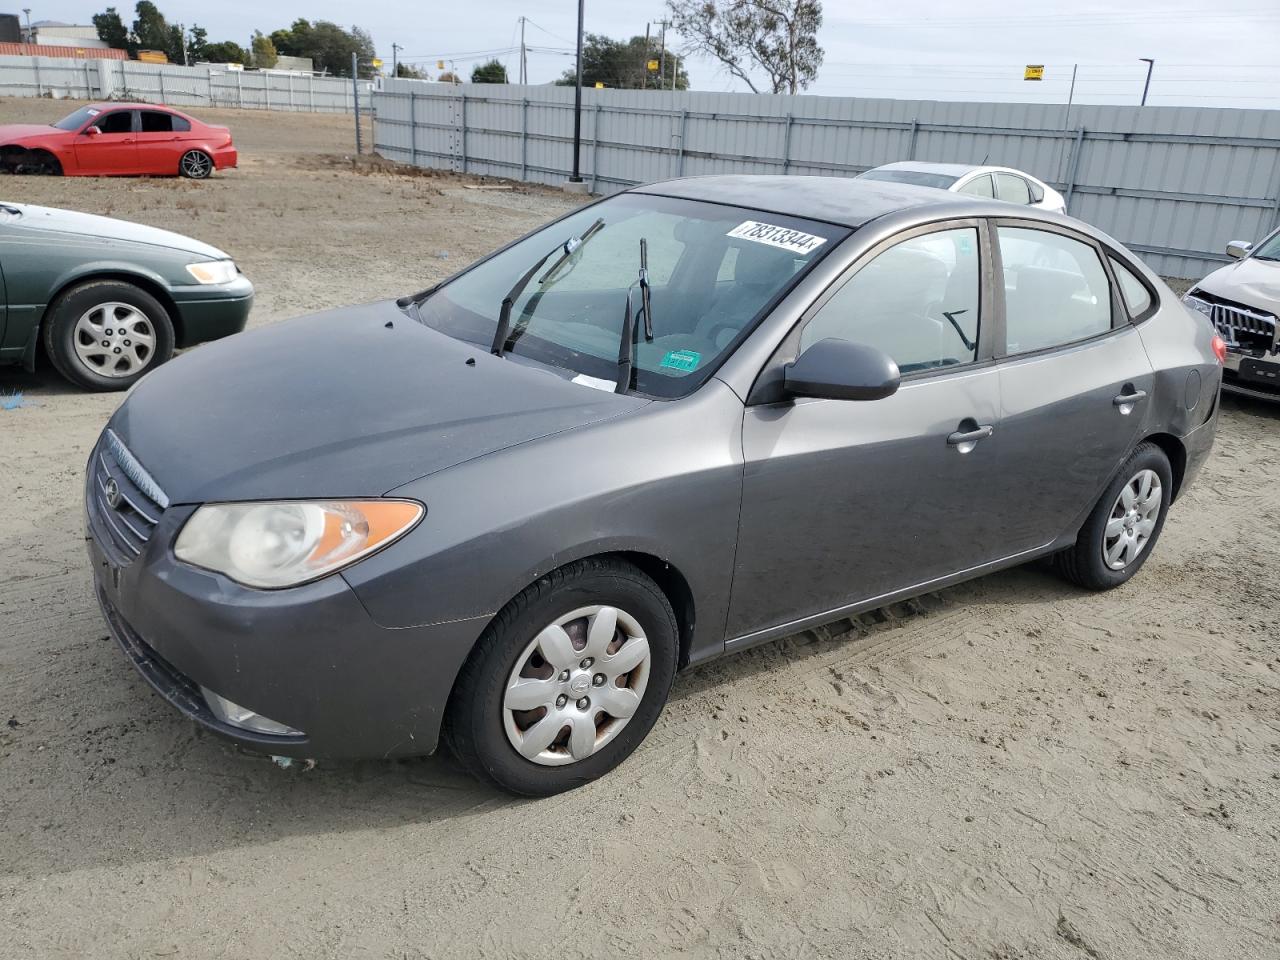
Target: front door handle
[1126, 401]
[965, 439]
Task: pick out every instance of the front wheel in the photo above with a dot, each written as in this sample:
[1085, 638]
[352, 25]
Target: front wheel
[195, 165]
[567, 681]
[1123, 528]
[105, 334]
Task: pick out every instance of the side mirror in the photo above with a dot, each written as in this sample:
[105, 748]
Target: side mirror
[1239, 249]
[842, 370]
[93, 132]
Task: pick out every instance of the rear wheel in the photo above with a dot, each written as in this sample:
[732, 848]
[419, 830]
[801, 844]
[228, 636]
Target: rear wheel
[567, 681]
[105, 334]
[1125, 524]
[195, 165]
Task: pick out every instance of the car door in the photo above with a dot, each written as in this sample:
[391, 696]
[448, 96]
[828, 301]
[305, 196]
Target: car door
[845, 501]
[114, 149]
[160, 137]
[1075, 380]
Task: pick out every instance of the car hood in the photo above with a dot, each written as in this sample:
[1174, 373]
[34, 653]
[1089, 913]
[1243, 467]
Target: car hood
[13, 132]
[347, 403]
[1253, 282]
[70, 222]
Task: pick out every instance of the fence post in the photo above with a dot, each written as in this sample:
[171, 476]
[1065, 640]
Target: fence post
[595, 147]
[266, 88]
[88, 83]
[239, 91]
[1075, 166]
[524, 138]
[463, 94]
[786, 147]
[160, 77]
[684, 125]
[311, 93]
[290, 79]
[35, 63]
[413, 127]
[911, 144]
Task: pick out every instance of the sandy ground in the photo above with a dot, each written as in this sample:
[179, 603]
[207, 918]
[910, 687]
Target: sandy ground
[1009, 769]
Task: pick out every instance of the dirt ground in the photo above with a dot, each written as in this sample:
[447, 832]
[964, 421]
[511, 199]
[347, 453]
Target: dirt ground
[1011, 769]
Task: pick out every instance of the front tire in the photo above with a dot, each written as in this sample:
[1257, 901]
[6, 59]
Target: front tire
[105, 334]
[567, 681]
[1125, 524]
[196, 165]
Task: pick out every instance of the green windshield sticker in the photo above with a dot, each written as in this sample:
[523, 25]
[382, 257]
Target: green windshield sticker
[682, 360]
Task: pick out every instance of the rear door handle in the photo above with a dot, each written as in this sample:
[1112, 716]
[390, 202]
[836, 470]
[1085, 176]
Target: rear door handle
[962, 437]
[1129, 399]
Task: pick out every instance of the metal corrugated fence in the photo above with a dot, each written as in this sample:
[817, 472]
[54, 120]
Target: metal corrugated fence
[175, 85]
[1172, 183]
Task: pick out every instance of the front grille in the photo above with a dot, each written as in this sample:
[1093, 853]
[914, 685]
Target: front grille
[1242, 327]
[125, 504]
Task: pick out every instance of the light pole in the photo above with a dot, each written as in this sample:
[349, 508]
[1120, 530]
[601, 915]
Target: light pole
[1147, 86]
[30, 36]
[577, 105]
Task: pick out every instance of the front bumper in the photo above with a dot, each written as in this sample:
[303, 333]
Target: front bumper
[212, 312]
[1260, 379]
[309, 657]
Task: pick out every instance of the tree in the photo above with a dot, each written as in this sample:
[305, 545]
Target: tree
[449, 77]
[624, 64]
[778, 37]
[197, 43]
[491, 72]
[112, 31]
[150, 31]
[327, 45]
[264, 51]
[225, 52]
[407, 72]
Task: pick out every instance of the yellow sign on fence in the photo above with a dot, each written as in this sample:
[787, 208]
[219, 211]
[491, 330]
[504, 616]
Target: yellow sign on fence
[653, 66]
[1034, 71]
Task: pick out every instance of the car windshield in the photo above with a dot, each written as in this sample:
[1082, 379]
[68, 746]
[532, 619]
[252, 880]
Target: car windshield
[713, 272]
[919, 178]
[1269, 249]
[74, 121]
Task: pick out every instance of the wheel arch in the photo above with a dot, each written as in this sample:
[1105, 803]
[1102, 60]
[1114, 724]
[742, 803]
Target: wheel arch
[1174, 449]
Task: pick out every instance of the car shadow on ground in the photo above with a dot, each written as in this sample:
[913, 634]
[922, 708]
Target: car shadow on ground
[135, 782]
[45, 382]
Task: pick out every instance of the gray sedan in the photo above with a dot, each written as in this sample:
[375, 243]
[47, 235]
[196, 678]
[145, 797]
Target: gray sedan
[675, 424]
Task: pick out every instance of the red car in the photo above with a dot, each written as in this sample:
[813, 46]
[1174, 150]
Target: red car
[118, 139]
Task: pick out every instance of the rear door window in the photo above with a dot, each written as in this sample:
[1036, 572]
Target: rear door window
[153, 121]
[1013, 188]
[1133, 291]
[1056, 290]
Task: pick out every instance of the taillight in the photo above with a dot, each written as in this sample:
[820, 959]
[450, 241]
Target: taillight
[1220, 348]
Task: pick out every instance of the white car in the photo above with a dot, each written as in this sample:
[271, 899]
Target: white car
[1002, 183]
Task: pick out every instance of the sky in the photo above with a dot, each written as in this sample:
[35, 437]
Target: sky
[1224, 54]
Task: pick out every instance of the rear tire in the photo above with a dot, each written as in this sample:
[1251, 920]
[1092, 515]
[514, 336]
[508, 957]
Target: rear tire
[496, 736]
[1124, 526]
[196, 165]
[105, 334]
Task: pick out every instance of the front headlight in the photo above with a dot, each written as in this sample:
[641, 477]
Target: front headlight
[1195, 303]
[289, 542]
[213, 271]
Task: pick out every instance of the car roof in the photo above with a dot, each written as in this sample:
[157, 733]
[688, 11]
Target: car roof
[112, 105]
[948, 169]
[840, 200]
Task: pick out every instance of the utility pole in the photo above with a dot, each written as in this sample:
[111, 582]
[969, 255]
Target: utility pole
[524, 61]
[395, 59]
[662, 60]
[644, 60]
[1151, 64]
[576, 178]
[31, 37]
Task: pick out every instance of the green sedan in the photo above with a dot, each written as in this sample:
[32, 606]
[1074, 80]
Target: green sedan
[109, 300]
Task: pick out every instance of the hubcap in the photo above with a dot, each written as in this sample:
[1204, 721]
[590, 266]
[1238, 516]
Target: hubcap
[195, 165]
[114, 340]
[576, 685]
[1133, 518]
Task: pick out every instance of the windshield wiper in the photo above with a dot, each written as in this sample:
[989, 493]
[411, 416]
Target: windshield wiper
[504, 315]
[626, 346]
[571, 246]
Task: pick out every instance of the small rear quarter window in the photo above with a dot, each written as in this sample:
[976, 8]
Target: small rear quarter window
[1137, 298]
